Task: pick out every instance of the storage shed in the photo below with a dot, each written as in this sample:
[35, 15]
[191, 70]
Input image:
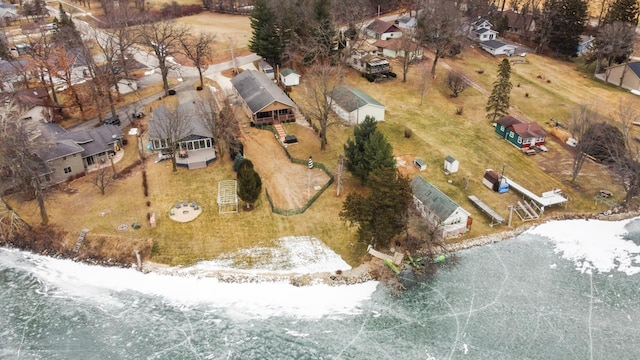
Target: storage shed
[267, 69]
[420, 164]
[451, 165]
[495, 181]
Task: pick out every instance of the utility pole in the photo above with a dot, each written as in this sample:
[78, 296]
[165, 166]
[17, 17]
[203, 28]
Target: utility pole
[309, 180]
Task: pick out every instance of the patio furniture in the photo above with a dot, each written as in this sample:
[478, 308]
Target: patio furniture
[185, 203]
[178, 205]
[196, 207]
[193, 204]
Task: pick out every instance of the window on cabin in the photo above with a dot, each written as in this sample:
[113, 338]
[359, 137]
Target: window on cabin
[67, 170]
[511, 135]
[501, 127]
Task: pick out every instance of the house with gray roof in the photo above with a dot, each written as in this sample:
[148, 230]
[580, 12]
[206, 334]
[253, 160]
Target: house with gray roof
[626, 76]
[439, 210]
[498, 47]
[262, 100]
[71, 154]
[289, 77]
[193, 140]
[353, 105]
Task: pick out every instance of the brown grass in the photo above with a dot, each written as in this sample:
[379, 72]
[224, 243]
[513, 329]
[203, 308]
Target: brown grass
[437, 132]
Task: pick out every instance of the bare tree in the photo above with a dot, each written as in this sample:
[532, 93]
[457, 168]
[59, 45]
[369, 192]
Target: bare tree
[102, 179]
[11, 224]
[581, 121]
[198, 50]
[339, 175]
[222, 125]
[440, 29]
[410, 48]
[323, 79]
[64, 64]
[20, 143]
[171, 125]
[40, 61]
[163, 37]
[424, 81]
[456, 83]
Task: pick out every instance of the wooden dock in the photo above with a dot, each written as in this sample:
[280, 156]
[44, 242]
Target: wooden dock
[526, 211]
[80, 239]
[495, 217]
[396, 258]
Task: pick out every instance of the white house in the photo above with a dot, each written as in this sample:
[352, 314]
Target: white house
[353, 106]
[394, 48]
[289, 77]
[449, 218]
[497, 47]
[480, 30]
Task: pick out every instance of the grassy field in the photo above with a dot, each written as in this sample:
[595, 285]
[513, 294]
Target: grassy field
[543, 89]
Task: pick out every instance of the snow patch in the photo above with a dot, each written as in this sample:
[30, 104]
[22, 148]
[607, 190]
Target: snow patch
[593, 244]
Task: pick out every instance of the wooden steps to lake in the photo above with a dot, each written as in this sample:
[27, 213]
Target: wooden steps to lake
[80, 239]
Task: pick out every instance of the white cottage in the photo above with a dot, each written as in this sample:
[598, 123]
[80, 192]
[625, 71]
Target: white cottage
[353, 106]
[439, 210]
[497, 47]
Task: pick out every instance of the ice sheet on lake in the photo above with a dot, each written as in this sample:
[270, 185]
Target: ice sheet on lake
[106, 285]
[294, 254]
[593, 244]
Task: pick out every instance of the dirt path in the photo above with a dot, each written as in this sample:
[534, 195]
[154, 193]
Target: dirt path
[287, 183]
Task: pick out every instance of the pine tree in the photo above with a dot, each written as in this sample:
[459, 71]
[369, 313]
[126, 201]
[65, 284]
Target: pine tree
[249, 183]
[66, 32]
[564, 21]
[498, 104]
[626, 11]
[383, 213]
[266, 40]
[368, 151]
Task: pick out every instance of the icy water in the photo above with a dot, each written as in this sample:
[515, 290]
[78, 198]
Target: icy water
[564, 290]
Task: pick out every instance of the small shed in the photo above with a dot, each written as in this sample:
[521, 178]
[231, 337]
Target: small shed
[420, 164]
[267, 69]
[289, 77]
[495, 181]
[451, 165]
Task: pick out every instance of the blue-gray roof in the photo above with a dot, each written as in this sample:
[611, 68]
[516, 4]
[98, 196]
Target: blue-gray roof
[286, 72]
[635, 67]
[195, 128]
[351, 99]
[258, 91]
[94, 141]
[494, 44]
[433, 199]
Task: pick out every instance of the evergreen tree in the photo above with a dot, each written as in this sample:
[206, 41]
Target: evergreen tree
[266, 40]
[322, 35]
[626, 11]
[249, 183]
[383, 213]
[563, 22]
[66, 32]
[368, 150]
[498, 104]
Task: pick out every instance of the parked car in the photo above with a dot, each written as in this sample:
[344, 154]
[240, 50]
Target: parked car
[112, 121]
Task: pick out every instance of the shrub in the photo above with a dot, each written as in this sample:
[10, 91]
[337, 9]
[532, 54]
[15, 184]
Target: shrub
[459, 110]
[199, 88]
[526, 94]
[407, 133]
[172, 92]
[236, 162]
[125, 142]
[148, 203]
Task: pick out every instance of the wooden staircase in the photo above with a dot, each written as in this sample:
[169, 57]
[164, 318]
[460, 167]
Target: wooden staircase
[280, 130]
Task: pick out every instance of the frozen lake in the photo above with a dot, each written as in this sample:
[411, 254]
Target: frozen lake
[563, 290]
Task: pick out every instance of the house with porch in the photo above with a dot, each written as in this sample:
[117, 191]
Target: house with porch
[262, 100]
[439, 211]
[382, 30]
[519, 133]
[353, 105]
[194, 148]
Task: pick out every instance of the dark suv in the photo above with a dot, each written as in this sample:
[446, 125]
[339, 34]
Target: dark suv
[112, 121]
